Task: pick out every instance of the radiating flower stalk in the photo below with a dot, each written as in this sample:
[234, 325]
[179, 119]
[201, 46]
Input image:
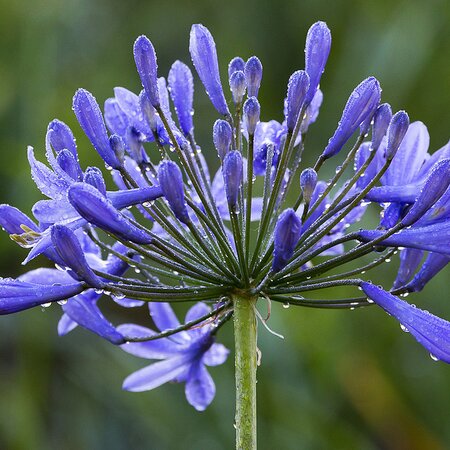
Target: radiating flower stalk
[171, 233]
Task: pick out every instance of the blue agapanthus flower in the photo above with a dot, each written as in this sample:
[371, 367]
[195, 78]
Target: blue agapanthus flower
[263, 226]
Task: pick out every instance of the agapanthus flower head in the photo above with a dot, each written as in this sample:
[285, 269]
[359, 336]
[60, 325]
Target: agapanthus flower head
[172, 231]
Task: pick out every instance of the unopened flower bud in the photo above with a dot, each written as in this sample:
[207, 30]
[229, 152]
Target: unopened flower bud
[204, 56]
[297, 89]
[238, 86]
[317, 49]
[253, 75]
[69, 164]
[361, 104]
[251, 114]
[171, 183]
[147, 67]
[396, 132]
[308, 181]
[181, 86]
[381, 120]
[232, 169]
[222, 136]
[94, 177]
[91, 120]
[235, 65]
[286, 235]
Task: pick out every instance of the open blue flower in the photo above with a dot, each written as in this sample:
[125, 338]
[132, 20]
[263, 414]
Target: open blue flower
[183, 356]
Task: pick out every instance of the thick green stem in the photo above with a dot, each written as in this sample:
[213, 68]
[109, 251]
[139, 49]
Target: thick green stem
[246, 361]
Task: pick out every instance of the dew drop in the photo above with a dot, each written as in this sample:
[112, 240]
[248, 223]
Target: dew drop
[434, 357]
[286, 305]
[403, 328]
[62, 302]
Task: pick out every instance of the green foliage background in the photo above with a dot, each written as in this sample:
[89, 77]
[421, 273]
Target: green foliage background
[340, 380]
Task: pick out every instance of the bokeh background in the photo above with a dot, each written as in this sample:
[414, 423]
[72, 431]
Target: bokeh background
[340, 379]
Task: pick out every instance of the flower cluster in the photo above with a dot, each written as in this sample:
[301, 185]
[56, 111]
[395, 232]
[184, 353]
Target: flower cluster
[261, 227]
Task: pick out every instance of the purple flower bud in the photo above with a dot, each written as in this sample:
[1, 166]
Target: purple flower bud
[118, 147]
[222, 136]
[430, 331]
[181, 86]
[238, 86]
[61, 137]
[16, 295]
[204, 56]
[237, 64]
[91, 120]
[317, 49]
[98, 210]
[253, 76]
[94, 177]
[396, 132]
[71, 253]
[232, 169]
[297, 88]
[381, 120]
[361, 104]
[145, 59]
[435, 185]
[286, 235]
[69, 164]
[251, 114]
[171, 182]
[12, 218]
[148, 110]
[308, 181]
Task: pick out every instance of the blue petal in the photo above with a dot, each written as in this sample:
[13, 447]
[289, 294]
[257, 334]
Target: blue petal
[165, 319]
[409, 261]
[115, 118]
[84, 311]
[156, 374]
[158, 349]
[99, 211]
[216, 355]
[435, 186]
[69, 249]
[435, 237]
[47, 181]
[409, 157]
[66, 325]
[16, 295]
[432, 265]
[12, 218]
[200, 388]
[430, 331]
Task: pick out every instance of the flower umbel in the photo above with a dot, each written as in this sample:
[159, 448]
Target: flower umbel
[262, 227]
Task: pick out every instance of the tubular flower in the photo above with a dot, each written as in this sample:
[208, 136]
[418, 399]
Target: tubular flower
[172, 232]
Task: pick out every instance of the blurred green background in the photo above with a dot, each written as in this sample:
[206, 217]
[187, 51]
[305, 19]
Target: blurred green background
[340, 380]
